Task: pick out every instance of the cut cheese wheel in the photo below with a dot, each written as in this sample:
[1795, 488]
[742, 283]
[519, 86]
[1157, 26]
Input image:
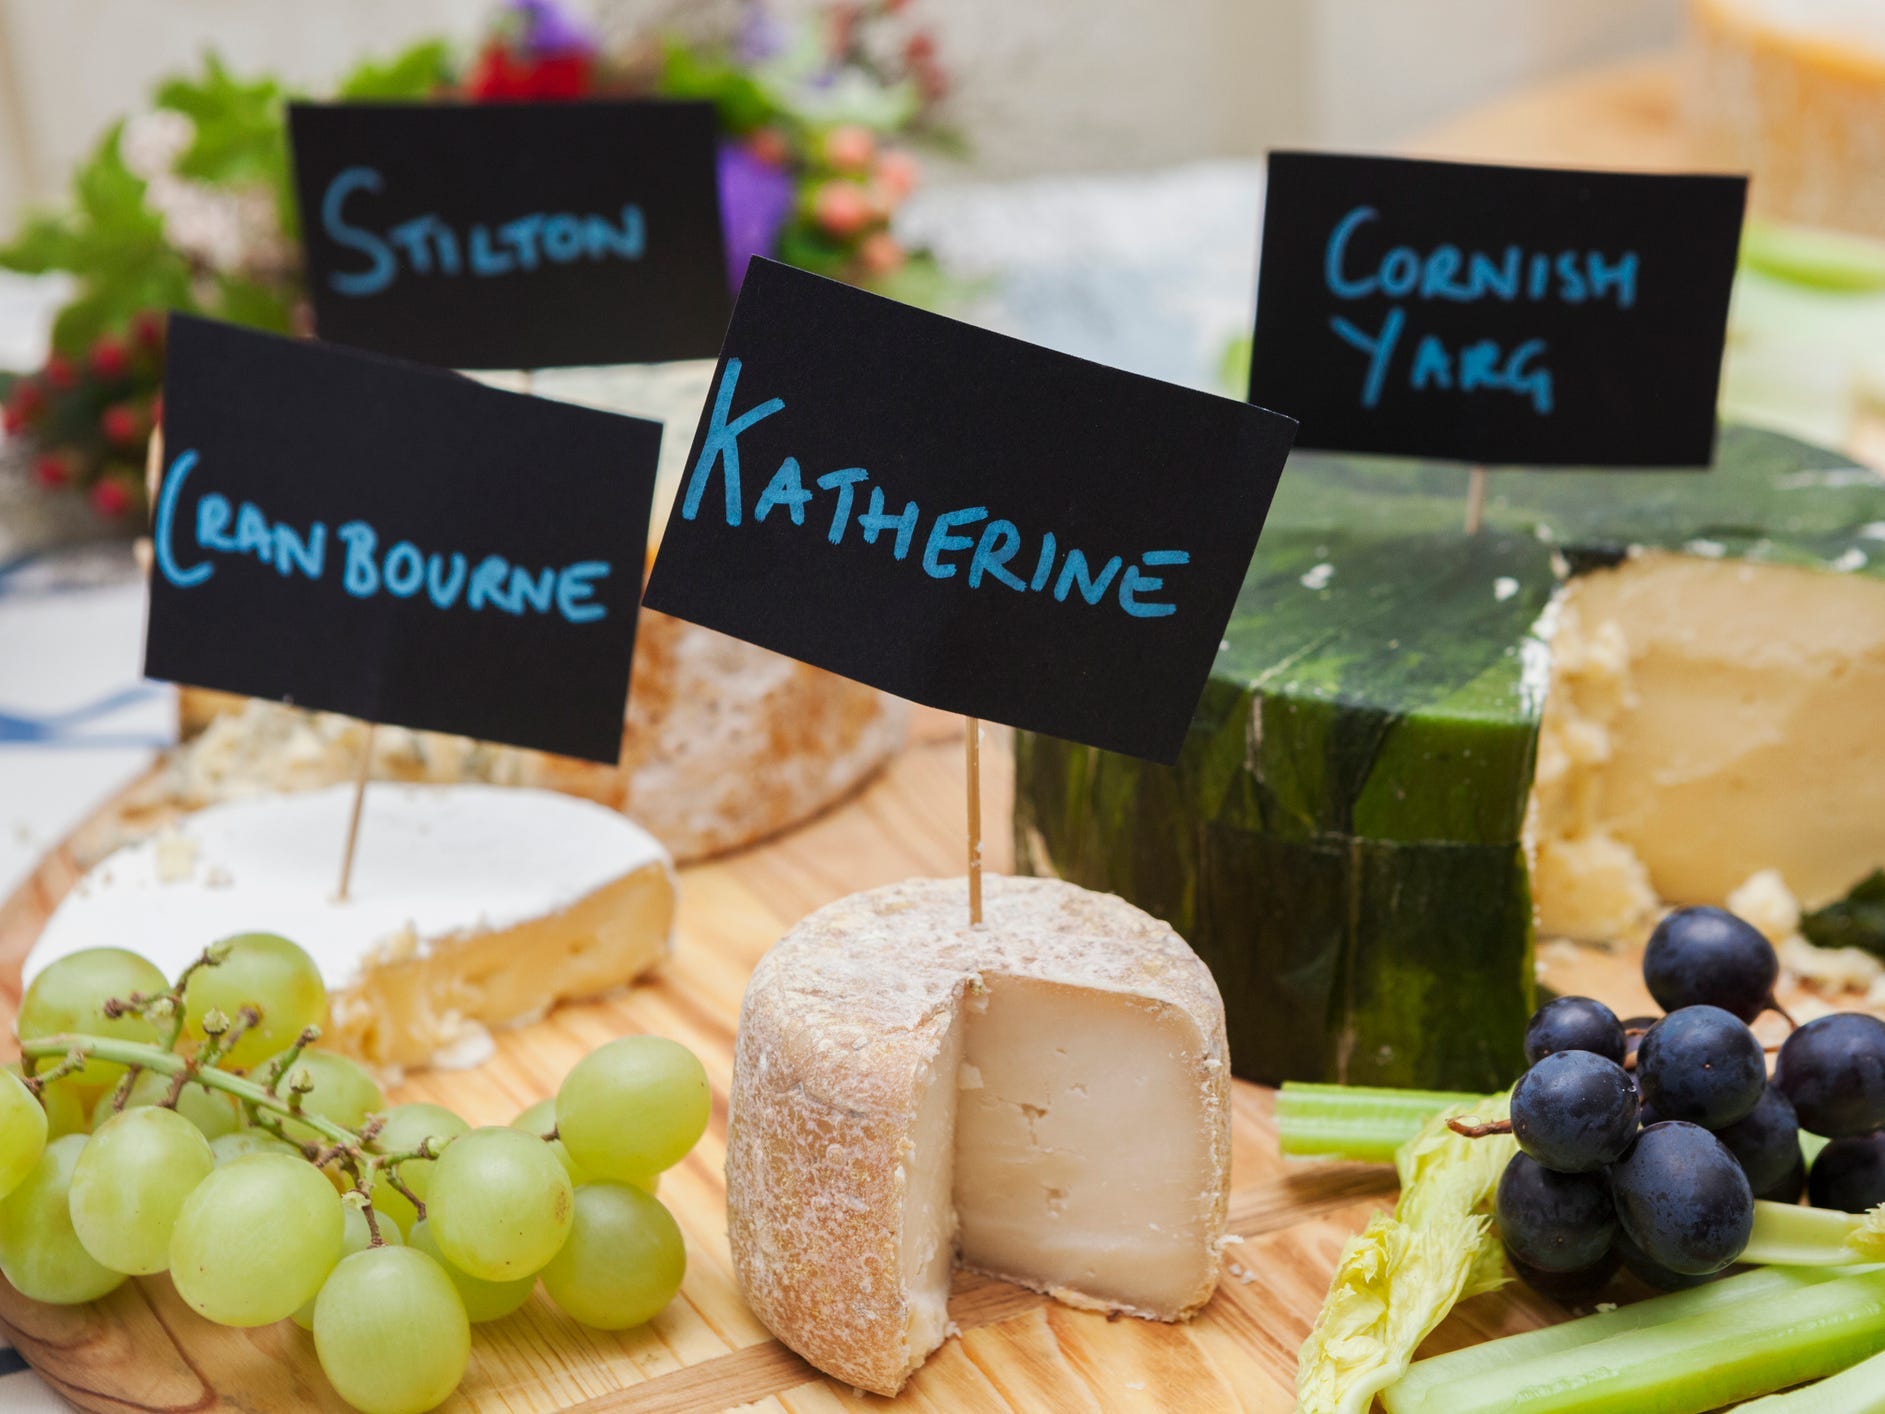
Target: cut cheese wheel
[1044, 1097]
[469, 906]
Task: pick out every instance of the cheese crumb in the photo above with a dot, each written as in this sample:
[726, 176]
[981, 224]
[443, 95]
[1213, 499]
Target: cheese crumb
[1764, 900]
[1319, 577]
[1838, 969]
[1504, 587]
[176, 855]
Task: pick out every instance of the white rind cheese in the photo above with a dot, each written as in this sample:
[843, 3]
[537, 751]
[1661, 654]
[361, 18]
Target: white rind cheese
[469, 906]
[1044, 1098]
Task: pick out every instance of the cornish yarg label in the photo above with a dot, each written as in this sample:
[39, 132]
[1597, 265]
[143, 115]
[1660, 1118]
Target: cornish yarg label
[341, 531]
[1495, 314]
[965, 519]
[513, 235]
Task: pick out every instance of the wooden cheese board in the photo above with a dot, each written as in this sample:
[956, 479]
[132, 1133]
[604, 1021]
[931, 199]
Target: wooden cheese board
[141, 1349]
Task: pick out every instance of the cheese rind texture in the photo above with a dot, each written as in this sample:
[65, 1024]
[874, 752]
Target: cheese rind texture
[1047, 1093]
[469, 906]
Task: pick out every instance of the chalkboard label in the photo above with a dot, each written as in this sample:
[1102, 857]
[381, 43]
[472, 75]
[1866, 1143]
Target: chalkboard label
[513, 235]
[1495, 314]
[965, 519]
[342, 531]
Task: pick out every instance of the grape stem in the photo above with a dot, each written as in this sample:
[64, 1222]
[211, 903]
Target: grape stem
[1468, 1130]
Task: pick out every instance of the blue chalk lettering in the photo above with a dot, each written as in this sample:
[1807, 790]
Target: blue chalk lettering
[381, 266]
[534, 591]
[1541, 274]
[1484, 276]
[410, 236]
[841, 481]
[722, 443]
[487, 586]
[1432, 363]
[1621, 276]
[1436, 281]
[1340, 285]
[212, 521]
[361, 577]
[1380, 350]
[522, 235]
[874, 521]
[1570, 280]
[1074, 572]
[1479, 366]
[253, 536]
[485, 260]
[442, 590]
[1043, 567]
[1400, 272]
[404, 570]
[1536, 382]
[575, 585]
[1000, 539]
[562, 238]
[1132, 584]
[785, 489]
[449, 262]
[182, 576]
[604, 240]
[941, 542]
[293, 553]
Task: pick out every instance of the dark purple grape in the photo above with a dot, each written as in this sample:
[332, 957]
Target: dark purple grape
[1682, 1200]
[1849, 1174]
[1790, 1186]
[1574, 1111]
[1634, 1029]
[1833, 1069]
[1556, 1222]
[1703, 1065]
[1708, 957]
[1649, 1273]
[1766, 1141]
[1573, 1024]
[1579, 1285]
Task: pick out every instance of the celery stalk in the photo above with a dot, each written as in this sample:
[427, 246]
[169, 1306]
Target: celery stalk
[1787, 1235]
[1684, 1366]
[1438, 1371]
[1860, 1390]
[1355, 1121]
[1397, 1279]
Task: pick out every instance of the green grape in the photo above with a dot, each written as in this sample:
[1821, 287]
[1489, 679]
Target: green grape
[624, 1259]
[131, 1182]
[268, 973]
[540, 1119]
[229, 1147]
[70, 996]
[39, 1252]
[256, 1239]
[499, 1204]
[484, 1300]
[406, 1128]
[22, 1132]
[391, 1331]
[343, 1092]
[356, 1236]
[212, 1111]
[63, 1102]
[633, 1107]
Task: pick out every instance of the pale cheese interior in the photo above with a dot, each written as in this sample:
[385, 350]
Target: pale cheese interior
[1707, 720]
[1061, 1143]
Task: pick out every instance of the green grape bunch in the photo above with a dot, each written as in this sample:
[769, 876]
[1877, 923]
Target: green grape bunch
[198, 1128]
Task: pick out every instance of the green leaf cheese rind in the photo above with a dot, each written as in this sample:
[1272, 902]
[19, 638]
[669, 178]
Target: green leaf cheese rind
[1855, 921]
[1341, 839]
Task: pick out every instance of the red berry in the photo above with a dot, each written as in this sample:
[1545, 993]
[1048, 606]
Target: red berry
[850, 148]
[768, 145]
[49, 469]
[60, 373]
[897, 174]
[110, 498]
[110, 358]
[147, 328]
[841, 209]
[121, 424]
[879, 253]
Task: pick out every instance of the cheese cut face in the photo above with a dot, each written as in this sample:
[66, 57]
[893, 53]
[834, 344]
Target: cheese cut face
[470, 906]
[1418, 748]
[1043, 1098]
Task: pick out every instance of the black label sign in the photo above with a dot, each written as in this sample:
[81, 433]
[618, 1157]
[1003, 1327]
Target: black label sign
[513, 236]
[964, 519]
[1495, 314]
[341, 531]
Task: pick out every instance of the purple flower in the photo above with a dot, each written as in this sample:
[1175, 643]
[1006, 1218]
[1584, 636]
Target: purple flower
[760, 36]
[755, 198]
[548, 29]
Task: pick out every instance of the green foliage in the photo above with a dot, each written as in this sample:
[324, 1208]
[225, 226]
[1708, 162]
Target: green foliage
[743, 106]
[417, 73]
[1855, 921]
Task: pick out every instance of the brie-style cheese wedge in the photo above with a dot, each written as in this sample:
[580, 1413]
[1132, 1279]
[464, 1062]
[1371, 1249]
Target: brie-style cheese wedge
[1044, 1098]
[469, 906]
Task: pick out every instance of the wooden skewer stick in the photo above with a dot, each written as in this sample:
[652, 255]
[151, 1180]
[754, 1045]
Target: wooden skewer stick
[975, 821]
[353, 819]
[1475, 500]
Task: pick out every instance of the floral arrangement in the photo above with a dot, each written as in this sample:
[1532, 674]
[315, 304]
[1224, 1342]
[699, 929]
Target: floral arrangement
[190, 205]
